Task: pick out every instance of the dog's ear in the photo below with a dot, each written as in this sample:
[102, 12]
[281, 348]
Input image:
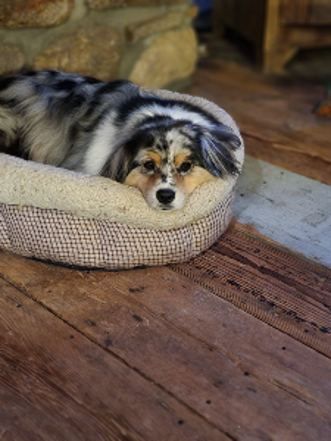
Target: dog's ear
[119, 164]
[122, 161]
[218, 148]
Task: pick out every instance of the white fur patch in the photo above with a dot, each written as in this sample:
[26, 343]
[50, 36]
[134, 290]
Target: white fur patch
[101, 147]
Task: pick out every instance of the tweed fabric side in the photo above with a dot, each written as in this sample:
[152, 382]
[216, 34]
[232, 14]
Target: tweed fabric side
[97, 243]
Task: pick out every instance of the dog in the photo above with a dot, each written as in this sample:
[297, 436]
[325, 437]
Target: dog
[164, 147]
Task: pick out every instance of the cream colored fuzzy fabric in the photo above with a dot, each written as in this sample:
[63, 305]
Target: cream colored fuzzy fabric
[53, 193]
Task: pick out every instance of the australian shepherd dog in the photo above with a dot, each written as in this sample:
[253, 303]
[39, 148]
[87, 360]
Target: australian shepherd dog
[164, 147]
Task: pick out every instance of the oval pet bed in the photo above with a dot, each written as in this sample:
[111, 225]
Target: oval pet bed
[75, 219]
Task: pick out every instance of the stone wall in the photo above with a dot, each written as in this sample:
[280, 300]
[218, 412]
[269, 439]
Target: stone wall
[150, 42]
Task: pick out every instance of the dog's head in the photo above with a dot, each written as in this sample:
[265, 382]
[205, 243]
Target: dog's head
[167, 159]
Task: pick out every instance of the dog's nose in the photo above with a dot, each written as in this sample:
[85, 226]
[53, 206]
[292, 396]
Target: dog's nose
[165, 195]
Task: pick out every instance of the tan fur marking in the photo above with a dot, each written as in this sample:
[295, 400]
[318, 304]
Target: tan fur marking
[198, 176]
[133, 178]
[155, 157]
[142, 182]
[180, 158]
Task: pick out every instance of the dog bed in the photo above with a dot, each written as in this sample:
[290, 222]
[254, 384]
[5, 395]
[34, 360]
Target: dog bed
[75, 219]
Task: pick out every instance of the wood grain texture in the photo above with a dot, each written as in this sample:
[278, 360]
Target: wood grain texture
[269, 282]
[244, 378]
[295, 11]
[275, 116]
[320, 12]
[58, 385]
[277, 28]
[237, 14]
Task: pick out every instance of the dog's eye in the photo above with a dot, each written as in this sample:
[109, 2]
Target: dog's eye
[185, 167]
[149, 165]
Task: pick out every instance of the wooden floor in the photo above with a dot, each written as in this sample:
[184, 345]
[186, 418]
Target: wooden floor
[148, 354]
[275, 115]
